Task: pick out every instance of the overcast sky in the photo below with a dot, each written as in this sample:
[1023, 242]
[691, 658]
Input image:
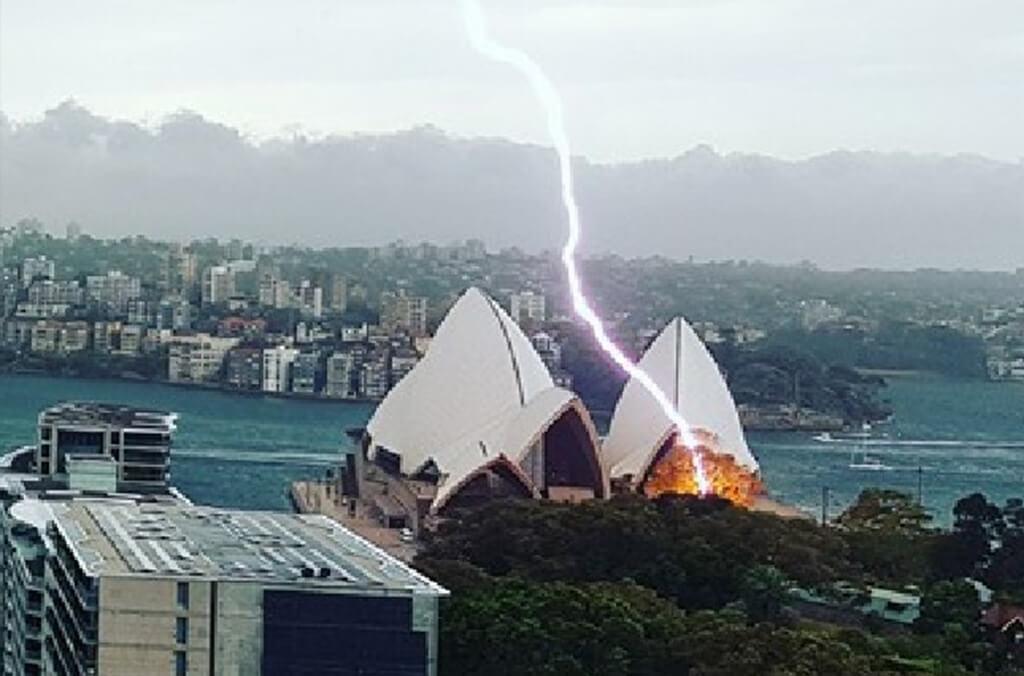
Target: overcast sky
[641, 78]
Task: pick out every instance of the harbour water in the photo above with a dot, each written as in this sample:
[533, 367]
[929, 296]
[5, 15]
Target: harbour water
[229, 450]
[242, 451]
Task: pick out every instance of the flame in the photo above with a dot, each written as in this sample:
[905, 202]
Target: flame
[675, 473]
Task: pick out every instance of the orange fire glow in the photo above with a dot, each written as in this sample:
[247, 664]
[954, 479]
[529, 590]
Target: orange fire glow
[673, 473]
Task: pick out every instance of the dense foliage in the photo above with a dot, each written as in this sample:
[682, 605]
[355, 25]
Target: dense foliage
[680, 585]
[775, 375]
[894, 346]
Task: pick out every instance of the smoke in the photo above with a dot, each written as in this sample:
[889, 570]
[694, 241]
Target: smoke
[549, 99]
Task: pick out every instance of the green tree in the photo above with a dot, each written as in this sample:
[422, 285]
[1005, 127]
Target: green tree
[878, 509]
[516, 627]
[888, 535]
[950, 602]
[764, 590]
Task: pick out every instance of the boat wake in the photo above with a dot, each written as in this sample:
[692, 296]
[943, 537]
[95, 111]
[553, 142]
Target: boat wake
[919, 443]
[259, 457]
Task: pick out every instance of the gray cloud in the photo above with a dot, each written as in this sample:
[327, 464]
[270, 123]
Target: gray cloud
[189, 177]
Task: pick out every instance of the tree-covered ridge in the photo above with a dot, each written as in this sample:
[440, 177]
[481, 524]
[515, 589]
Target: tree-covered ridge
[681, 585]
[893, 345]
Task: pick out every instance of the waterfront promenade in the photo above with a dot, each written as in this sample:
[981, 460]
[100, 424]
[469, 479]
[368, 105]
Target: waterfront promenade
[319, 496]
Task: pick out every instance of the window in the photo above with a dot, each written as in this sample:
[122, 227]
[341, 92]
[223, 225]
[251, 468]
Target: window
[181, 630]
[183, 595]
[180, 663]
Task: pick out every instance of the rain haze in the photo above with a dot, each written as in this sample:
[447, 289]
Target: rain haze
[847, 133]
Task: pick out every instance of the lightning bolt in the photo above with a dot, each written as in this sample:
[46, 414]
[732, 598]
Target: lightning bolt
[547, 95]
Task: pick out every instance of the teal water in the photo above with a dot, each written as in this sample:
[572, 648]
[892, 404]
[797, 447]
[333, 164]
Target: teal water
[963, 436]
[243, 451]
[229, 450]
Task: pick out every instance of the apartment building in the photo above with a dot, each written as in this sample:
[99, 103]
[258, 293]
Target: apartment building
[198, 358]
[131, 445]
[162, 587]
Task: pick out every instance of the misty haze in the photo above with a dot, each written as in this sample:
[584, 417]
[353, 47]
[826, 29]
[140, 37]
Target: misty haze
[191, 177]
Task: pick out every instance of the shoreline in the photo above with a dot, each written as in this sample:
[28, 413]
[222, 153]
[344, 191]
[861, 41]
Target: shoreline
[319, 398]
[205, 387]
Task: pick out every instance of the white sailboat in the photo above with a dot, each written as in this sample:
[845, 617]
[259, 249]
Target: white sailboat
[867, 462]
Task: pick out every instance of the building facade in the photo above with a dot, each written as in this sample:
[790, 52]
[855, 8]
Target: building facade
[124, 587]
[343, 375]
[198, 358]
[137, 441]
[402, 312]
[113, 290]
[528, 307]
[277, 368]
[33, 269]
[244, 368]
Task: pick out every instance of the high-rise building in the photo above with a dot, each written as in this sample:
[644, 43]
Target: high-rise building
[218, 285]
[277, 368]
[139, 312]
[106, 336]
[402, 362]
[23, 551]
[402, 312]
[135, 444]
[198, 358]
[174, 313]
[74, 336]
[275, 293]
[343, 370]
[306, 373]
[49, 336]
[45, 336]
[244, 368]
[132, 337]
[375, 377]
[36, 268]
[528, 307]
[310, 299]
[113, 290]
[121, 586]
[338, 301]
[50, 292]
[179, 270]
[235, 249]
[244, 278]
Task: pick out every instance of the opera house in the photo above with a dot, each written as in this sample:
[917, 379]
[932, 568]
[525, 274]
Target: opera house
[478, 418]
[642, 450]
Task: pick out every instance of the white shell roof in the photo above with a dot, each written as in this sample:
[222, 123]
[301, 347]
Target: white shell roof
[683, 368]
[480, 393]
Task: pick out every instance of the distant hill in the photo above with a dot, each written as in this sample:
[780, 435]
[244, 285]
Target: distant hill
[189, 177]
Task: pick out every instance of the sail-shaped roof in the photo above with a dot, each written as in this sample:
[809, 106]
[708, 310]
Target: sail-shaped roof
[480, 393]
[683, 368]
